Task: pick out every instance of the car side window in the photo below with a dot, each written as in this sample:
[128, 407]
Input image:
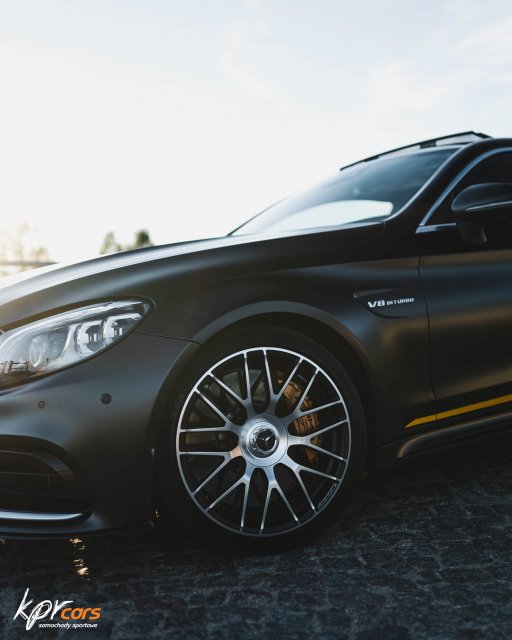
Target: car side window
[496, 168]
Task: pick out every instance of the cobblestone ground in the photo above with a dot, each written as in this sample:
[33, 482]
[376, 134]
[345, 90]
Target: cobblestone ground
[423, 551]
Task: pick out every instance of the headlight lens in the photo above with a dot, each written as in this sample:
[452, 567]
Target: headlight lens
[65, 339]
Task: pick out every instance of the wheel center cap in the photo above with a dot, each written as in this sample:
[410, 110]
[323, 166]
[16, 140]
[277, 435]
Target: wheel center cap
[263, 440]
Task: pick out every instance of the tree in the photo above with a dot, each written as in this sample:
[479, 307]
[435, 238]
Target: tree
[111, 245]
[142, 240]
[15, 252]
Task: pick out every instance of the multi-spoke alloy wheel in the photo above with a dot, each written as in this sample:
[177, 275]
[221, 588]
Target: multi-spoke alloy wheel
[263, 441]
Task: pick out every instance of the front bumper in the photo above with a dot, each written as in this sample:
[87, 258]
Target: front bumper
[71, 463]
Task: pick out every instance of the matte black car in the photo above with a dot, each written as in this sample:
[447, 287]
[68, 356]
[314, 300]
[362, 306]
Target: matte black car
[237, 387]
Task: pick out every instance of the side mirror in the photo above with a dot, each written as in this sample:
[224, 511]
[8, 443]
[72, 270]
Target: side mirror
[480, 204]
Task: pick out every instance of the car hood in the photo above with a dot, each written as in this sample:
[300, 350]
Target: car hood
[131, 273]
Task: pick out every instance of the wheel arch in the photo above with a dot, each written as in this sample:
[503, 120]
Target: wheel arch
[325, 329]
[302, 318]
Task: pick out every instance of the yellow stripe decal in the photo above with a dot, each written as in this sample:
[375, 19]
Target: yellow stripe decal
[456, 412]
[423, 420]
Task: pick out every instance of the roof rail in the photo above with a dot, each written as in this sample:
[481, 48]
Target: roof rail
[465, 137]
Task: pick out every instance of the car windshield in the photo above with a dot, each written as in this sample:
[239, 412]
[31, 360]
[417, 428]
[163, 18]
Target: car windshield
[364, 192]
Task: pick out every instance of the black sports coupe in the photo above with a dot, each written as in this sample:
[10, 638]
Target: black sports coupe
[237, 387]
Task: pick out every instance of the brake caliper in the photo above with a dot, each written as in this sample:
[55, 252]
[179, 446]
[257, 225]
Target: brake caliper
[305, 425]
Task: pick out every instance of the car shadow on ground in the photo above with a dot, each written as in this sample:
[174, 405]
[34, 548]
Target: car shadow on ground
[421, 551]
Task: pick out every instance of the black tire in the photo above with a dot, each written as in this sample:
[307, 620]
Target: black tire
[214, 523]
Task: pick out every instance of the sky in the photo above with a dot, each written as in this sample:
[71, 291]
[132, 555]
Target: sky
[186, 118]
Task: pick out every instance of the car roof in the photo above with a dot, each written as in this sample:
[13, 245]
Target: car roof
[456, 140]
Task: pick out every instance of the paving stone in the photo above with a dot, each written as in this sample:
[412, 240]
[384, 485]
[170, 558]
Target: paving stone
[422, 551]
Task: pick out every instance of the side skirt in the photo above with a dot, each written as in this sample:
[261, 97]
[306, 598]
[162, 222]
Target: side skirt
[443, 437]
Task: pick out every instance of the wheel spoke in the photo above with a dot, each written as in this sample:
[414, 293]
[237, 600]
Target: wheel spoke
[265, 508]
[275, 485]
[212, 475]
[310, 445]
[217, 454]
[294, 440]
[214, 408]
[306, 441]
[288, 380]
[297, 467]
[248, 389]
[229, 391]
[297, 475]
[276, 397]
[271, 395]
[318, 473]
[227, 427]
[304, 394]
[325, 429]
[298, 414]
[247, 483]
[226, 493]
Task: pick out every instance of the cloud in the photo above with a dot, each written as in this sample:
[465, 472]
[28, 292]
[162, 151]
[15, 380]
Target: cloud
[401, 84]
[464, 11]
[492, 45]
[256, 5]
[251, 56]
[247, 48]
[445, 85]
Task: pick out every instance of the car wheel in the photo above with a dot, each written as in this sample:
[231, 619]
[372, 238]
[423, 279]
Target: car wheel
[262, 440]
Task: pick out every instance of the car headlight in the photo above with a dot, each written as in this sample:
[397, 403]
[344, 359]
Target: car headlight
[66, 338]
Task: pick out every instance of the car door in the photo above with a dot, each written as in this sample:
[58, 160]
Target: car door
[468, 290]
